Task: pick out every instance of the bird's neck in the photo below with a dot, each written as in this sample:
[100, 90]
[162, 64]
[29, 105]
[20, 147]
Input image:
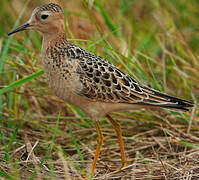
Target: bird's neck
[53, 40]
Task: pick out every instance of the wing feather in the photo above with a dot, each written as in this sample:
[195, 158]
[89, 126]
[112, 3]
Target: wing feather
[102, 81]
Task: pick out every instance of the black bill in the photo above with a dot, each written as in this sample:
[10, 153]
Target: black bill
[21, 28]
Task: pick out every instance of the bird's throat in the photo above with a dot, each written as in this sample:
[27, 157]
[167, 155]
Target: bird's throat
[58, 39]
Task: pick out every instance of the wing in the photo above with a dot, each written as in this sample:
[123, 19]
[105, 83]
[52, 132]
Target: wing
[102, 81]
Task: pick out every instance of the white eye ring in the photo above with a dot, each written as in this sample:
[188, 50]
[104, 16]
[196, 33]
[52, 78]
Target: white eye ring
[44, 15]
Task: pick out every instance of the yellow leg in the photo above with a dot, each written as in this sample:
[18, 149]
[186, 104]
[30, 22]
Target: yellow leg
[121, 143]
[98, 149]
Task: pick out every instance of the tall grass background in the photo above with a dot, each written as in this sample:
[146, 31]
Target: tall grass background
[156, 42]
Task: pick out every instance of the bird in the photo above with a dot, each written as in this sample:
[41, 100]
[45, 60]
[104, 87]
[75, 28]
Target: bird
[89, 81]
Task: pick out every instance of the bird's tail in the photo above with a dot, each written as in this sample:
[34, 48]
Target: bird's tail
[157, 98]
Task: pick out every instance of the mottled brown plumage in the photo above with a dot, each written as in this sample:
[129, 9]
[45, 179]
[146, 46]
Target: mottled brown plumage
[88, 81]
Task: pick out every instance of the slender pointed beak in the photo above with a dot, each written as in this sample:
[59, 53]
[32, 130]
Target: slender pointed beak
[21, 28]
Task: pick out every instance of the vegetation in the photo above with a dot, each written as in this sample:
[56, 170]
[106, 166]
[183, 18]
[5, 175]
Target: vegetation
[155, 41]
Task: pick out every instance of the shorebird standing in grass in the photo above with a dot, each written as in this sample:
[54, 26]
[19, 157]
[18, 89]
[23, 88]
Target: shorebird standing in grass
[88, 81]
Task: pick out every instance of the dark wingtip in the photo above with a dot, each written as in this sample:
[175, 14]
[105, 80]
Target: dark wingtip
[176, 107]
[174, 103]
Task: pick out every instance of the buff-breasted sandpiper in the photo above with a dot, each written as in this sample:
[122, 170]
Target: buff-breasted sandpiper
[88, 81]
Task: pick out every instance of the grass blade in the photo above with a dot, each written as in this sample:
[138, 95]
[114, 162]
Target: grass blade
[106, 17]
[7, 44]
[7, 157]
[5, 52]
[49, 148]
[5, 175]
[75, 143]
[21, 81]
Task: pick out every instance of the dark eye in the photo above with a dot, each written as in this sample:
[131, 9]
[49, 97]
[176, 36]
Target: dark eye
[44, 16]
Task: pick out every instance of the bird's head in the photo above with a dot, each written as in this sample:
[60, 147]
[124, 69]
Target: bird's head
[47, 18]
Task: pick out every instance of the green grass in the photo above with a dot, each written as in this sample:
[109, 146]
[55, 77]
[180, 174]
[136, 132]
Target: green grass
[156, 42]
